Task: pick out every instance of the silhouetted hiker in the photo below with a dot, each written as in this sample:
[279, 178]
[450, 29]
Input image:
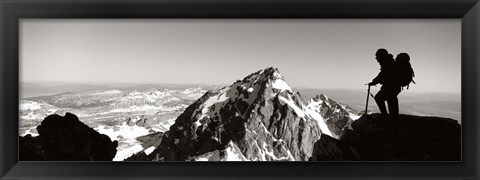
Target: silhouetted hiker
[390, 87]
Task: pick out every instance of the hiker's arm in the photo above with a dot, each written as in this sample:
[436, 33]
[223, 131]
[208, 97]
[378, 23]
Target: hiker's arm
[377, 79]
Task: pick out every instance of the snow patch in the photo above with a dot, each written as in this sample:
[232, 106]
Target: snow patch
[149, 150]
[281, 85]
[136, 108]
[127, 149]
[30, 131]
[126, 136]
[277, 75]
[107, 92]
[124, 130]
[29, 105]
[320, 121]
[198, 123]
[315, 105]
[272, 155]
[32, 116]
[297, 109]
[214, 100]
[232, 154]
[201, 159]
[163, 126]
[204, 157]
[354, 116]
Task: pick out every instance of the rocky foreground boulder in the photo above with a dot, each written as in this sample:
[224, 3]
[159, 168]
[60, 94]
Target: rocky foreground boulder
[66, 139]
[372, 138]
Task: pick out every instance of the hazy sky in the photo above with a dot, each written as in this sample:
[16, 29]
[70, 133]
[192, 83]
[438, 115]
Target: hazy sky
[309, 53]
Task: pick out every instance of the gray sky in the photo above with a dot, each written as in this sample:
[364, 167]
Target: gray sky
[309, 53]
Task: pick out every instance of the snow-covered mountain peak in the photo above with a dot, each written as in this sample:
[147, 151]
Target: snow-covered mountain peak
[259, 114]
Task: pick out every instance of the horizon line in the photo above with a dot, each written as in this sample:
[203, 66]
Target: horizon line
[215, 84]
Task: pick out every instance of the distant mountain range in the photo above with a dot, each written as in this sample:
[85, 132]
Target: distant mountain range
[35, 89]
[440, 104]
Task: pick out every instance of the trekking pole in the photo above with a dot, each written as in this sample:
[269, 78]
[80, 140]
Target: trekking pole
[368, 95]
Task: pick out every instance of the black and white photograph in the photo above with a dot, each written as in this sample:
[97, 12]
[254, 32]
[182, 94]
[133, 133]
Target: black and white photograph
[240, 90]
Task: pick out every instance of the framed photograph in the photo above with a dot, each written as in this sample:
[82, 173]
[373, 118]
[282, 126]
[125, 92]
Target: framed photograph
[250, 89]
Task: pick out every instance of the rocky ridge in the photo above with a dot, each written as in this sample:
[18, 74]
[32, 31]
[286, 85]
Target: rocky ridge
[372, 138]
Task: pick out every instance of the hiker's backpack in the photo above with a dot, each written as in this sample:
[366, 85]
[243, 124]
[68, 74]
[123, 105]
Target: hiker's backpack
[405, 70]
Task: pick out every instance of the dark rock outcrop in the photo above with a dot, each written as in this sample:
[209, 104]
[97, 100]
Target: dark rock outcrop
[142, 121]
[258, 118]
[328, 148]
[30, 148]
[146, 122]
[147, 141]
[140, 156]
[373, 138]
[130, 121]
[66, 139]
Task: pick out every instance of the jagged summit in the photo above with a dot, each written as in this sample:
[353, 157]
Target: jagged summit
[270, 72]
[270, 77]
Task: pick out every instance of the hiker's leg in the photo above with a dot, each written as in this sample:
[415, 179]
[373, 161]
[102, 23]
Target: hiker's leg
[380, 98]
[393, 109]
[392, 101]
[393, 106]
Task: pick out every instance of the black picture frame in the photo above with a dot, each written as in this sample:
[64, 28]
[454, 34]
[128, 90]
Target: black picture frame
[13, 10]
